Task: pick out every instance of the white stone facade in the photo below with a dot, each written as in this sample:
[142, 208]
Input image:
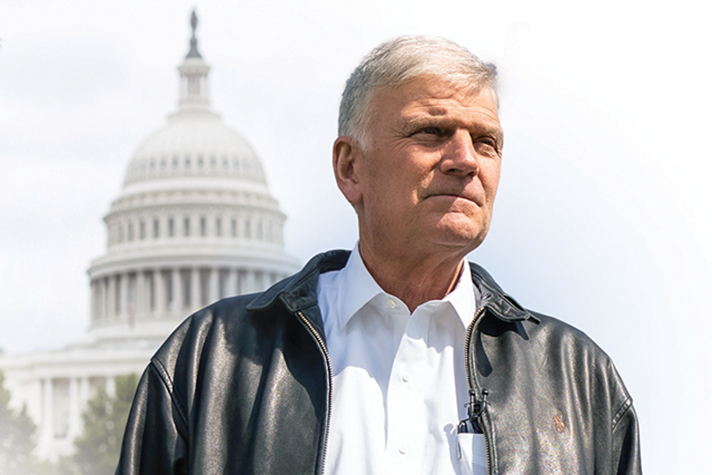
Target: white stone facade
[55, 386]
[194, 223]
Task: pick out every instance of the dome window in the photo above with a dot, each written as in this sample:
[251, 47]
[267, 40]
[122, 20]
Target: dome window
[248, 230]
[156, 228]
[233, 226]
[204, 286]
[226, 163]
[194, 86]
[142, 230]
[185, 278]
[203, 226]
[168, 289]
[223, 278]
[213, 161]
[186, 226]
[131, 232]
[153, 165]
[187, 161]
[200, 162]
[151, 288]
[259, 278]
[117, 295]
[218, 227]
[175, 162]
[130, 290]
[171, 227]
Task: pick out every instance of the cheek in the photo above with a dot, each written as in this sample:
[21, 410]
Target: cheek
[398, 182]
[395, 179]
[490, 179]
[380, 193]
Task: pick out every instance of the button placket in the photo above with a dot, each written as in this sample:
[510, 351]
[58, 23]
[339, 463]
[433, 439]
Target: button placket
[403, 401]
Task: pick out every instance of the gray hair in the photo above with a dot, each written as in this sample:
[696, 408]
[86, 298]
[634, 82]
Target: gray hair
[401, 59]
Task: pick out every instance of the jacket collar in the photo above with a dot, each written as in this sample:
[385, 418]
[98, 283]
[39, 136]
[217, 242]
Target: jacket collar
[493, 297]
[298, 292]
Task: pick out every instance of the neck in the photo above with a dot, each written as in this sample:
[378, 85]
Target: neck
[415, 280]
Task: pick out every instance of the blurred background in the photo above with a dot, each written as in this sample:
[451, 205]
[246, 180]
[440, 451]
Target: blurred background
[604, 214]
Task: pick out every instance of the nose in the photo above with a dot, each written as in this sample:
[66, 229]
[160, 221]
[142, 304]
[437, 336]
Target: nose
[459, 155]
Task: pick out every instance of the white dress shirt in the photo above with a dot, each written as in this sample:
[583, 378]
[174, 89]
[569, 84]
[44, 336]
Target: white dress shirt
[400, 383]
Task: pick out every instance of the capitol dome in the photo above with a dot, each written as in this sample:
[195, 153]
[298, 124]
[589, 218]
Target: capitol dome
[196, 145]
[194, 222]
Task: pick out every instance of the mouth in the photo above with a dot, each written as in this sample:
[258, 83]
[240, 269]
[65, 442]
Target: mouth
[454, 196]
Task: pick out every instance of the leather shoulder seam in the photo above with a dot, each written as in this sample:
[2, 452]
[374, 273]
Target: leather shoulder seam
[627, 404]
[168, 383]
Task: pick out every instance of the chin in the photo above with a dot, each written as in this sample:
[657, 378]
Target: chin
[465, 241]
[466, 227]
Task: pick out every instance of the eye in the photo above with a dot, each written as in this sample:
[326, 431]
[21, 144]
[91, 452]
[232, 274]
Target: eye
[487, 145]
[429, 131]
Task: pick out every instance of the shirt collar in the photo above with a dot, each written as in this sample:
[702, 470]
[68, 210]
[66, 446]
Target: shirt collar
[356, 288]
[463, 297]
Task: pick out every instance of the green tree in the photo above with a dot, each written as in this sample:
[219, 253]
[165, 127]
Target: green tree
[17, 436]
[98, 447]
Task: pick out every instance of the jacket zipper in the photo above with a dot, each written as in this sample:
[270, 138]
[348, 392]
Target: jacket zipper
[322, 347]
[473, 392]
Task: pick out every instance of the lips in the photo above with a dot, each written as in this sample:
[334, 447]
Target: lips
[455, 194]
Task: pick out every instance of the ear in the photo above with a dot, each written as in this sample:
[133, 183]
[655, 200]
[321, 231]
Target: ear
[346, 154]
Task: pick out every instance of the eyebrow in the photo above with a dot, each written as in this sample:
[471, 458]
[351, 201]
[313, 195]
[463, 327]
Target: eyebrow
[447, 122]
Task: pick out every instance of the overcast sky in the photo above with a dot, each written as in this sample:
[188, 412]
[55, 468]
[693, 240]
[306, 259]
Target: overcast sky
[604, 214]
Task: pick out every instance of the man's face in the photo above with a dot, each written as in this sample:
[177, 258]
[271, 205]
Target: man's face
[427, 178]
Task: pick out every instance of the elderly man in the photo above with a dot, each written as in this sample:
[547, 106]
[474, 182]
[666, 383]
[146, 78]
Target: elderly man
[399, 357]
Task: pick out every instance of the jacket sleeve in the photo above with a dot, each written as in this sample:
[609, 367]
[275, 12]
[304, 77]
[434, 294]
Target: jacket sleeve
[156, 432]
[626, 442]
[624, 437]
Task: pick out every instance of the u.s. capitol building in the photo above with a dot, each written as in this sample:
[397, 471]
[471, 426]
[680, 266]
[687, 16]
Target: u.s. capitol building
[194, 222]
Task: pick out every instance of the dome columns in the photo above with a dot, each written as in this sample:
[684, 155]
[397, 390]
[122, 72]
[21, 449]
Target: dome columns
[138, 295]
[232, 226]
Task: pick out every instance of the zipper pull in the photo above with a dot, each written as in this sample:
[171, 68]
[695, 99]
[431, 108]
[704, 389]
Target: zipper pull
[474, 412]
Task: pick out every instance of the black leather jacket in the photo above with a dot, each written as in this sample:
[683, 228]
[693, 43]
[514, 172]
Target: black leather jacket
[244, 387]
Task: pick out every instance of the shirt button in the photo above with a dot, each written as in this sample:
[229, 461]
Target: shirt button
[402, 450]
[405, 377]
[392, 303]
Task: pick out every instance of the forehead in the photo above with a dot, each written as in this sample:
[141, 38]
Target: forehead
[434, 98]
